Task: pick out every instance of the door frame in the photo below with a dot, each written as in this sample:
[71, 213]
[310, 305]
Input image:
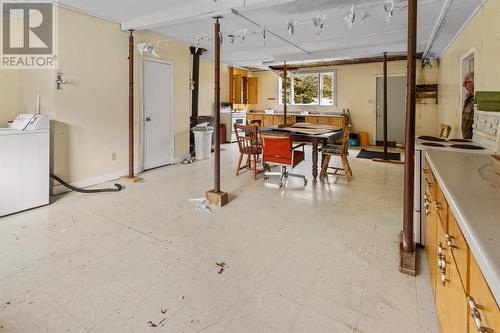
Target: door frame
[471, 52]
[375, 90]
[143, 116]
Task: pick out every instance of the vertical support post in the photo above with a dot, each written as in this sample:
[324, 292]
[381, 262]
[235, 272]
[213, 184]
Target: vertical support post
[131, 104]
[216, 196]
[285, 73]
[217, 106]
[407, 248]
[386, 158]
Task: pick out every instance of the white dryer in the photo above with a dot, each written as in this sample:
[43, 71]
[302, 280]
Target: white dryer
[24, 164]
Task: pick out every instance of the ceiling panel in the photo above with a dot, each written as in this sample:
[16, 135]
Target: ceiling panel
[370, 35]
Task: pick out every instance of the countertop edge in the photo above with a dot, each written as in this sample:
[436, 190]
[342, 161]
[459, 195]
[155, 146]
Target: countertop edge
[296, 114]
[492, 279]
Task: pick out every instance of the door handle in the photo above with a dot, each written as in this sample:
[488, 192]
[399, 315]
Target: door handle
[148, 119]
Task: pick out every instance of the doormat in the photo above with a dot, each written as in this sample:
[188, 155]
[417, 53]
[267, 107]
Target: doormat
[368, 154]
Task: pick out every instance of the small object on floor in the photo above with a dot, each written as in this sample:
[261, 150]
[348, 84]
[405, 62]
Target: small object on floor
[201, 205]
[368, 154]
[187, 161]
[151, 324]
[221, 266]
[162, 321]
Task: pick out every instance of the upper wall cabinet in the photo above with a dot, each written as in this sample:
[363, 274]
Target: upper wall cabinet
[243, 89]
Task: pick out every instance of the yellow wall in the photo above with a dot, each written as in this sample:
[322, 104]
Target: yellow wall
[9, 86]
[482, 35]
[206, 87]
[90, 114]
[356, 91]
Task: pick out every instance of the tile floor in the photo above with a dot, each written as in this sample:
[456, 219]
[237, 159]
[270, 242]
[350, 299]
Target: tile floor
[317, 259]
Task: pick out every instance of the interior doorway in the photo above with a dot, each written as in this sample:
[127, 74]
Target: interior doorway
[158, 138]
[396, 100]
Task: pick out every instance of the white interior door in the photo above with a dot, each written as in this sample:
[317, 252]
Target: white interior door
[396, 105]
[157, 114]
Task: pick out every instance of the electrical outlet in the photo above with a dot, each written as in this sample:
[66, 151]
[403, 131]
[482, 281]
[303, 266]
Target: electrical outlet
[113, 157]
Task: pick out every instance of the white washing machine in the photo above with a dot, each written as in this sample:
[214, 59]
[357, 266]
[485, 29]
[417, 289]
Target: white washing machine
[24, 164]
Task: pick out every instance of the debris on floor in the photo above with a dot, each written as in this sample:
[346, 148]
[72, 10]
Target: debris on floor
[221, 266]
[161, 322]
[201, 205]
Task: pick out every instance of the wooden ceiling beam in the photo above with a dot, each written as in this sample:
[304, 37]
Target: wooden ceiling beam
[332, 63]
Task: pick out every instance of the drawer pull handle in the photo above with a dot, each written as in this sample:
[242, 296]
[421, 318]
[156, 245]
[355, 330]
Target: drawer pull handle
[474, 312]
[443, 278]
[449, 240]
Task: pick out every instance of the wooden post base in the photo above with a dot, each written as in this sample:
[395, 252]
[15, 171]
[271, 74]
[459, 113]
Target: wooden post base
[217, 198]
[133, 179]
[387, 161]
[407, 259]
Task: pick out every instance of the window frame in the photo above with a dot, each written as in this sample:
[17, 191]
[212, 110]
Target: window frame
[321, 75]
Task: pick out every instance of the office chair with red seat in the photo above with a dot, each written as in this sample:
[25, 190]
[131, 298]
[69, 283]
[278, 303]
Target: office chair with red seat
[278, 150]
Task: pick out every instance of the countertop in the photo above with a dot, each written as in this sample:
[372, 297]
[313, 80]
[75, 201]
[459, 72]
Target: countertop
[280, 113]
[472, 188]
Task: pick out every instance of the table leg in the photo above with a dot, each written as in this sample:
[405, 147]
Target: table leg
[315, 158]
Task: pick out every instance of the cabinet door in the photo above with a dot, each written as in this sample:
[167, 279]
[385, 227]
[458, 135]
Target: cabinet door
[441, 277]
[311, 119]
[487, 308]
[442, 207]
[237, 89]
[277, 120]
[431, 238]
[459, 248]
[324, 120]
[253, 90]
[268, 120]
[451, 301]
[337, 121]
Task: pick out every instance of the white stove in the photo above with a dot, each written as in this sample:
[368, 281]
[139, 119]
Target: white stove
[230, 118]
[485, 140]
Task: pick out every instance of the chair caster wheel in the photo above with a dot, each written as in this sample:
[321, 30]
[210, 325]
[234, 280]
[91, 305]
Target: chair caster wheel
[280, 185]
[265, 177]
[305, 181]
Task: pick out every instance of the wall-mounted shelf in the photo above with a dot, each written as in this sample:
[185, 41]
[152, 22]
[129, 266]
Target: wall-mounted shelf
[427, 91]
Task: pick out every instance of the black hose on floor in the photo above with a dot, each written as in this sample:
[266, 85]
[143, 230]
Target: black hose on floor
[81, 190]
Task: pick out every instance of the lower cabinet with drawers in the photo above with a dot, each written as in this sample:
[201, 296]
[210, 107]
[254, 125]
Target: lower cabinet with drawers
[464, 302]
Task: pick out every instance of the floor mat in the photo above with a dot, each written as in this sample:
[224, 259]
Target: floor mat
[368, 154]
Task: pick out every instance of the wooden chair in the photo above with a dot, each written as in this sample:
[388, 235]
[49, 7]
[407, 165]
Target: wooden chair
[255, 122]
[341, 150]
[249, 145]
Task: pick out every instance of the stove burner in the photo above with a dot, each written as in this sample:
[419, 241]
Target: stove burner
[432, 144]
[469, 147]
[431, 138]
[460, 140]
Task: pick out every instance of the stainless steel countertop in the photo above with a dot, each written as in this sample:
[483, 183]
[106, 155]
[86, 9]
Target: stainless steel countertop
[472, 188]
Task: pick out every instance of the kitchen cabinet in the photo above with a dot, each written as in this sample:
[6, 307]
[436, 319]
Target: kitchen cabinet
[483, 308]
[279, 120]
[326, 120]
[464, 302]
[243, 90]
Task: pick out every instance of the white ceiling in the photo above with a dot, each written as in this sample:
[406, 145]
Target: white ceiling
[371, 35]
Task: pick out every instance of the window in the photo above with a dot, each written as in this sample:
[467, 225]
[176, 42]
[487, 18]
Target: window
[316, 88]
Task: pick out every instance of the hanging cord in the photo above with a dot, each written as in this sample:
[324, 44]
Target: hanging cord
[76, 189]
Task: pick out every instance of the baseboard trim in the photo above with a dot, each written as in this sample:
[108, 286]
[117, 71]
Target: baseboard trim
[59, 189]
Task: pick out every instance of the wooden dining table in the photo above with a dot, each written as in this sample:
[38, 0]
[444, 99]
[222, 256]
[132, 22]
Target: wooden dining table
[315, 139]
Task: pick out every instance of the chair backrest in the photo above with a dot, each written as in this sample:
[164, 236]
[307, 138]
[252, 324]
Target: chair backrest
[255, 122]
[345, 140]
[277, 146]
[246, 135]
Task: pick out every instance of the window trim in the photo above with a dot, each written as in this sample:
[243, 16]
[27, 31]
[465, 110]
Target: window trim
[320, 75]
